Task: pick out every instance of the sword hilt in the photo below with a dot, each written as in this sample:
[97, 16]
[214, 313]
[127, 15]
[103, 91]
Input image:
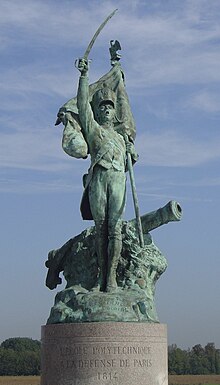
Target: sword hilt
[82, 60]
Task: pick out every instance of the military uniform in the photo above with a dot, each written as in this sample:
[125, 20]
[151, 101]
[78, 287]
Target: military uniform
[108, 153]
[104, 195]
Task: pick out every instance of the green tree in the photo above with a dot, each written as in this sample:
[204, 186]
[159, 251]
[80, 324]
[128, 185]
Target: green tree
[19, 356]
[217, 361]
[198, 361]
[21, 344]
[210, 352]
[8, 362]
[178, 360]
[29, 363]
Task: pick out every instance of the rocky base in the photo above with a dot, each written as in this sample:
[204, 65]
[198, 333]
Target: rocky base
[79, 305]
[138, 270]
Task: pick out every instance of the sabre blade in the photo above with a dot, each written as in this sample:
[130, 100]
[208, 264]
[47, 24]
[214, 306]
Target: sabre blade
[86, 54]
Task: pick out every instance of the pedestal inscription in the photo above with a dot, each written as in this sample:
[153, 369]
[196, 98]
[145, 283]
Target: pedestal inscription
[104, 353]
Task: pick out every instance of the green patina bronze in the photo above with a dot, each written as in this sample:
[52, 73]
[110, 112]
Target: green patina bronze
[111, 269]
[138, 270]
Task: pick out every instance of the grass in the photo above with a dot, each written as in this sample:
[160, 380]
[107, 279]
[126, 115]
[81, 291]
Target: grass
[19, 380]
[194, 380]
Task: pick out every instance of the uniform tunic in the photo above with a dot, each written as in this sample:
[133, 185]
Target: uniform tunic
[106, 182]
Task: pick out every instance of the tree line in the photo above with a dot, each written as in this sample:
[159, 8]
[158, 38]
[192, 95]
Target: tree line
[197, 360]
[21, 357]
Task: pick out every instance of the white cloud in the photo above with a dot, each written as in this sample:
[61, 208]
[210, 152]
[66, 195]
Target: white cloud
[41, 150]
[205, 101]
[38, 79]
[202, 182]
[166, 47]
[159, 48]
[27, 186]
[173, 150]
[52, 22]
[34, 150]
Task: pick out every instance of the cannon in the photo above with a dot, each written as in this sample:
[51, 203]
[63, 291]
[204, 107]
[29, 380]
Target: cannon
[171, 212]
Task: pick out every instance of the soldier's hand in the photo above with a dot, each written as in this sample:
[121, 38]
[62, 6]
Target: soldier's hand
[129, 147]
[82, 65]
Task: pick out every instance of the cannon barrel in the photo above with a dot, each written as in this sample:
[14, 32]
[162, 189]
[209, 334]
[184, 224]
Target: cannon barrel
[172, 211]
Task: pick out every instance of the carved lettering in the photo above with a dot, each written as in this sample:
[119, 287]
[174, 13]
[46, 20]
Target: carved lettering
[73, 350]
[142, 363]
[82, 364]
[128, 350]
[124, 363]
[106, 359]
[107, 376]
[113, 304]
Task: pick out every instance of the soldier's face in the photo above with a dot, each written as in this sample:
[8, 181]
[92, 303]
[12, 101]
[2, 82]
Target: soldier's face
[106, 113]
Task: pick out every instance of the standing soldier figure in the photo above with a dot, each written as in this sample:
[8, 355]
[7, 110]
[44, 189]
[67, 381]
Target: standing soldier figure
[105, 185]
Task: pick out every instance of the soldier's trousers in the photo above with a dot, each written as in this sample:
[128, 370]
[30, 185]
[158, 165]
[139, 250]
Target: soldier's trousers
[107, 201]
[107, 195]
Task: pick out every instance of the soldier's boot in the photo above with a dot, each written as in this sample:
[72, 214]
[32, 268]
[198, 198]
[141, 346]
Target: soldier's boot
[114, 252]
[102, 254]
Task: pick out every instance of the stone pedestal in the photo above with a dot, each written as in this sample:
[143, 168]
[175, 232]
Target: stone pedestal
[104, 354]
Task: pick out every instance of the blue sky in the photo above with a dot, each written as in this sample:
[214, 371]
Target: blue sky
[170, 55]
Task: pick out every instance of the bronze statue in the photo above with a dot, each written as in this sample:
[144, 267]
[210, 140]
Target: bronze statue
[105, 183]
[99, 122]
[111, 269]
